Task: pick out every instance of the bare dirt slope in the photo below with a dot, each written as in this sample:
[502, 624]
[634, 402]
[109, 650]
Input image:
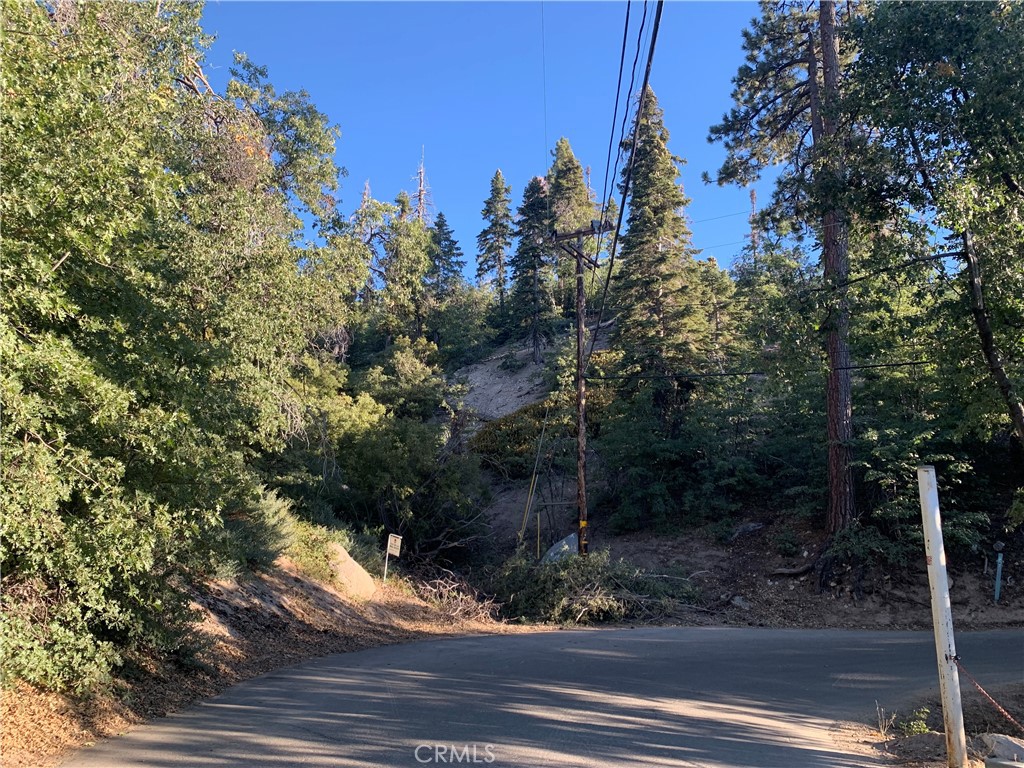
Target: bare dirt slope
[248, 628]
[495, 391]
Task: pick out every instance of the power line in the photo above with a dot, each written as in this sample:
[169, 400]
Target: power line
[615, 114]
[610, 180]
[724, 216]
[544, 85]
[720, 245]
[725, 374]
[629, 171]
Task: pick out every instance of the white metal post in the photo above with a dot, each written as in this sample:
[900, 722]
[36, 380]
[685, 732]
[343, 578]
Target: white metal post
[942, 619]
[387, 555]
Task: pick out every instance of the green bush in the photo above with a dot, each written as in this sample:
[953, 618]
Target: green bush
[512, 363]
[509, 444]
[787, 543]
[916, 724]
[310, 548]
[259, 533]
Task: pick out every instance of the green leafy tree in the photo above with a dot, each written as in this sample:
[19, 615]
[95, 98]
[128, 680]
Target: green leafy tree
[155, 306]
[942, 89]
[404, 266]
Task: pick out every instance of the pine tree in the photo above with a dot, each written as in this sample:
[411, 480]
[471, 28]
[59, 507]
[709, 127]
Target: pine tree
[662, 326]
[403, 268]
[496, 238]
[788, 111]
[532, 302]
[571, 209]
[446, 262]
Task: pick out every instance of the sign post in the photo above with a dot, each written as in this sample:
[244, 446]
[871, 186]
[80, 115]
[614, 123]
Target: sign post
[942, 618]
[394, 548]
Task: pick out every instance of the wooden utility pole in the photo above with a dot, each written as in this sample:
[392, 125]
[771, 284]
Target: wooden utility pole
[572, 243]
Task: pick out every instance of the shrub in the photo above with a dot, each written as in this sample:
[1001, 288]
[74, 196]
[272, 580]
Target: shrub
[583, 590]
[509, 443]
[259, 533]
[787, 543]
[311, 549]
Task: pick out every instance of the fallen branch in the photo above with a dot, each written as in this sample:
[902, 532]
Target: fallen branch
[798, 571]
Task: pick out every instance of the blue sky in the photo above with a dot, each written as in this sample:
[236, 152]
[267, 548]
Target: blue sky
[485, 85]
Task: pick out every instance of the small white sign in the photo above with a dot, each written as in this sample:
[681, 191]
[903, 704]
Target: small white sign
[394, 545]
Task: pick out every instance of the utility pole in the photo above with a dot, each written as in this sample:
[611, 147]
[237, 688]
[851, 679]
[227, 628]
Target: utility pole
[572, 244]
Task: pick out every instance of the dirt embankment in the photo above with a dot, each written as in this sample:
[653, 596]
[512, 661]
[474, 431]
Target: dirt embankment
[248, 628]
[502, 384]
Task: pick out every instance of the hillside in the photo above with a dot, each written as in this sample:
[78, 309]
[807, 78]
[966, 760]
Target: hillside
[246, 628]
[754, 568]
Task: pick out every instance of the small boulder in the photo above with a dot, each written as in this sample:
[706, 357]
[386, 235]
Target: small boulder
[740, 602]
[744, 529]
[570, 545]
[351, 575]
[1003, 747]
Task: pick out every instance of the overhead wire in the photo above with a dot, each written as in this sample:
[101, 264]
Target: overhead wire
[615, 112]
[544, 81]
[615, 120]
[724, 374]
[608, 186]
[628, 176]
[723, 216]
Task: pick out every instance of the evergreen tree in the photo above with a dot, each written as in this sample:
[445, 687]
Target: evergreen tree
[402, 300]
[571, 209]
[788, 110]
[496, 238]
[673, 321]
[446, 262]
[532, 301]
[662, 323]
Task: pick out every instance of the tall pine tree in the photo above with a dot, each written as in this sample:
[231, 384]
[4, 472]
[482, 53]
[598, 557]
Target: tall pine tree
[532, 301]
[446, 262]
[663, 326]
[788, 110]
[571, 209]
[496, 238]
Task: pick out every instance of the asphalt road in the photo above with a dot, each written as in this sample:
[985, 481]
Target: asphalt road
[715, 698]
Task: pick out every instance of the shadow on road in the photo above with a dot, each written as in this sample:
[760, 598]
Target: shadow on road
[684, 697]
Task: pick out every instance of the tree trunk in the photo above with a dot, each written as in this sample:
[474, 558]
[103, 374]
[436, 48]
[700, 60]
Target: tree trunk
[988, 345]
[535, 323]
[500, 281]
[836, 262]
